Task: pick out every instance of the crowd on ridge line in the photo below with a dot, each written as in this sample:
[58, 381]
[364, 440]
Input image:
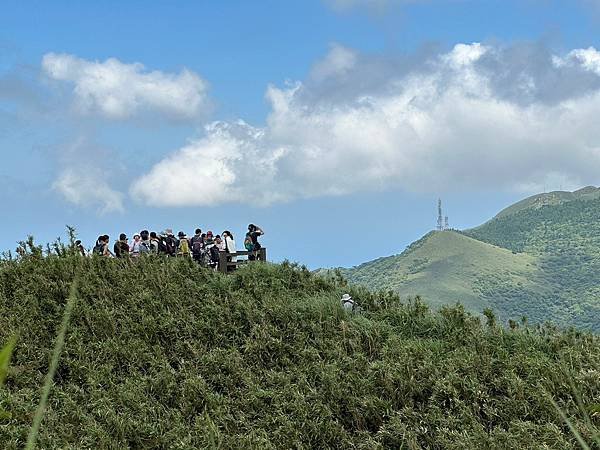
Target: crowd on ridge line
[203, 248]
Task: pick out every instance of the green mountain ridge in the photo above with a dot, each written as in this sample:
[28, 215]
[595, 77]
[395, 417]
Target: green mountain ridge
[550, 198]
[539, 258]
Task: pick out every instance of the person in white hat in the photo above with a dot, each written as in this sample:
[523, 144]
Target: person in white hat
[347, 302]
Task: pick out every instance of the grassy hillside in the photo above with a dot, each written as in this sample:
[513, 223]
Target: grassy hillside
[551, 199]
[447, 267]
[162, 354]
[566, 240]
[539, 258]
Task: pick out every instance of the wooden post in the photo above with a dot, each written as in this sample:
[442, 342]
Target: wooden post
[262, 254]
[223, 262]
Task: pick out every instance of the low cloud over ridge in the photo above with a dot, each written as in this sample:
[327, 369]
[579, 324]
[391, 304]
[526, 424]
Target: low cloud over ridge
[474, 117]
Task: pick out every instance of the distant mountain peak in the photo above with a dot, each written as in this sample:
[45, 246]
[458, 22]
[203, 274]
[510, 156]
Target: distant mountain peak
[551, 198]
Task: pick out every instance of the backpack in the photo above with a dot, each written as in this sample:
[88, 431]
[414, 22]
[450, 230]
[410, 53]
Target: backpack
[248, 244]
[162, 246]
[197, 245]
[98, 249]
[144, 247]
[171, 245]
[214, 254]
[184, 247]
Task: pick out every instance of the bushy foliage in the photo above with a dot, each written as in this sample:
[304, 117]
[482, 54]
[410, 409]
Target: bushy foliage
[163, 354]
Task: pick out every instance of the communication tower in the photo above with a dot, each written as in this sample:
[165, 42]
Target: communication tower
[446, 226]
[440, 224]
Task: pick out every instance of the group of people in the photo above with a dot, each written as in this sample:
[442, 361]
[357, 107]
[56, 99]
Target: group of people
[204, 248]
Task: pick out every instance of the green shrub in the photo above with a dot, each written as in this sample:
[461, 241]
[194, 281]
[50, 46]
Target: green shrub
[163, 354]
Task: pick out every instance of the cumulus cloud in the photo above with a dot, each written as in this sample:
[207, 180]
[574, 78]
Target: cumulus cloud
[588, 58]
[117, 90]
[475, 117]
[88, 189]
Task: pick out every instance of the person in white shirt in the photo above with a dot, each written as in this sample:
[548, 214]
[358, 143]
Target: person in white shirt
[136, 245]
[229, 245]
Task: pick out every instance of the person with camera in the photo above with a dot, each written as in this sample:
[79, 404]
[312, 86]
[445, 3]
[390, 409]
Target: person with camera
[251, 242]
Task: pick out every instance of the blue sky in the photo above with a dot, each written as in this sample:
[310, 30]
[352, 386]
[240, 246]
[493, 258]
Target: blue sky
[333, 124]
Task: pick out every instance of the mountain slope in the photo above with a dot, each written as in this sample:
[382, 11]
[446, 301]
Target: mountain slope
[162, 354]
[566, 239]
[447, 267]
[551, 199]
[545, 262]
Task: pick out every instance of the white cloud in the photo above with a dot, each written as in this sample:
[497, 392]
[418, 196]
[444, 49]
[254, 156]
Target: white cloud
[118, 91]
[88, 189]
[444, 125]
[587, 58]
[232, 163]
[339, 61]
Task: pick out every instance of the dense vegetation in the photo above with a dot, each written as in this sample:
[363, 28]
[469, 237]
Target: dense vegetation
[551, 198]
[566, 240]
[446, 268]
[163, 354]
[543, 263]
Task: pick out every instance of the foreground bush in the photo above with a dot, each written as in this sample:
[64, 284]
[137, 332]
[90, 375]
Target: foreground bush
[162, 354]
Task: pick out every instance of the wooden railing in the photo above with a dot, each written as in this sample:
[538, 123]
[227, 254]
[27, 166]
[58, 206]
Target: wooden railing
[225, 265]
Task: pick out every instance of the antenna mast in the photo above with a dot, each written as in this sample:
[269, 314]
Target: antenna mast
[446, 226]
[440, 225]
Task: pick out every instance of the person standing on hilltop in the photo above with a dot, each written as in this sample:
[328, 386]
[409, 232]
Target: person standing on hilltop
[229, 247]
[220, 243]
[145, 242]
[154, 243]
[121, 247]
[80, 248]
[184, 245]
[105, 251]
[211, 251]
[171, 242]
[197, 244]
[134, 250]
[251, 242]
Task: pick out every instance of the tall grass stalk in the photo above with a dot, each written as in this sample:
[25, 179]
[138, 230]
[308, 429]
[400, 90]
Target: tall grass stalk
[5, 354]
[58, 346]
[576, 433]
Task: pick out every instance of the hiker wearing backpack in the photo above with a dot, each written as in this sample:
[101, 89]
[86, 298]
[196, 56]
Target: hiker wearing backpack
[154, 243]
[183, 250]
[101, 247]
[171, 243]
[251, 243]
[145, 242]
[211, 252]
[121, 247]
[197, 244]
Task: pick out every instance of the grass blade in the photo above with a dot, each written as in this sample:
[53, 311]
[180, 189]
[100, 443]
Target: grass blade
[58, 346]
[5, 355]
[570, 425]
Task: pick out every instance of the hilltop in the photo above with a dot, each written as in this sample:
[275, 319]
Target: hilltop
[163, 354]
[539, 258]
[550, 199]
[446, 268]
